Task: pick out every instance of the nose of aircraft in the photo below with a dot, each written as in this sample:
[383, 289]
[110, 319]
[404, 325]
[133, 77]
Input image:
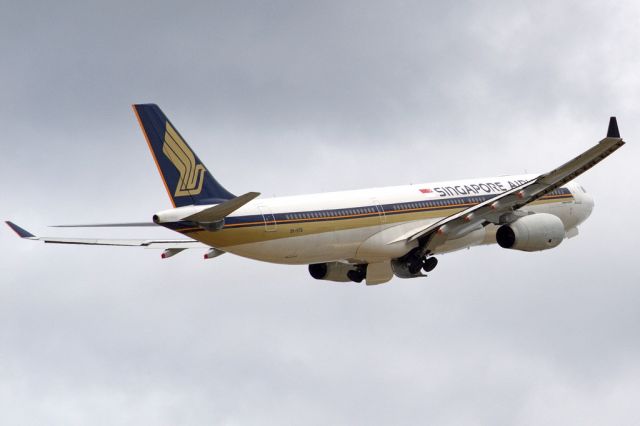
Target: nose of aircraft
[587, 206]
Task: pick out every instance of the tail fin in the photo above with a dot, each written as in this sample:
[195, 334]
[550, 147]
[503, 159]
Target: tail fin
[186, 179]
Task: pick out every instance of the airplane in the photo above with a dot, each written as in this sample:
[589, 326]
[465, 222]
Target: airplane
[366, 235]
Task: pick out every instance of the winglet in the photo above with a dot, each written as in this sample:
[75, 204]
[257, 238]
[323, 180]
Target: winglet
[612, 131]
[22, 233]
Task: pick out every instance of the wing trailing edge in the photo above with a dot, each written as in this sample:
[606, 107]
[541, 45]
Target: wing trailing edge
[164, 244]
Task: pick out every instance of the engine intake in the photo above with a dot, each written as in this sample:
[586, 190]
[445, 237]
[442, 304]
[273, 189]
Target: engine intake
[540, 231]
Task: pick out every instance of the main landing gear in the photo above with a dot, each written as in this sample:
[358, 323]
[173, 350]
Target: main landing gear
[413, 264]
[427, 264]
[358, 274]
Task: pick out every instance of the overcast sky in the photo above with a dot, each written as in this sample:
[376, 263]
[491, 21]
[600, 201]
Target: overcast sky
[294, 97]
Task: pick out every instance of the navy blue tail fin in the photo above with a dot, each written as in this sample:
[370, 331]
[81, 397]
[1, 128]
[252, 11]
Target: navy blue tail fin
[187, 180]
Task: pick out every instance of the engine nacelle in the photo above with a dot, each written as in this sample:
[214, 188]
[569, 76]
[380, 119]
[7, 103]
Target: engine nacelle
[540, 231]
[331, 271]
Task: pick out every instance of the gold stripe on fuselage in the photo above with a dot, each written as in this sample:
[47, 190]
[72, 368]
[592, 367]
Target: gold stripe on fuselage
[253, 232]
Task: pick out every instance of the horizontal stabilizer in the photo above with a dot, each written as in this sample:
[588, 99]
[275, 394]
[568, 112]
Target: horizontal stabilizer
[222, 210]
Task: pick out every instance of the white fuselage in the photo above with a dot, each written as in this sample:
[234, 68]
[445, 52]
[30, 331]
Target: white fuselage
[366, 226]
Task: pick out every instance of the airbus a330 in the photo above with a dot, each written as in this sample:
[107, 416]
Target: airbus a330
[351, 236]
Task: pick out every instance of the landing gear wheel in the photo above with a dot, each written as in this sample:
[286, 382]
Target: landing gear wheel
[415, 266]
[355, 276]
[430, 264]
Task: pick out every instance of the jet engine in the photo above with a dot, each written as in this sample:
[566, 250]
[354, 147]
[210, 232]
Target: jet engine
[540, 231]
[337, 271]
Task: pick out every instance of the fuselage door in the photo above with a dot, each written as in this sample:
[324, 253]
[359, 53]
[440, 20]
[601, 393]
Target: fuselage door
[379, 209]
[270, 224]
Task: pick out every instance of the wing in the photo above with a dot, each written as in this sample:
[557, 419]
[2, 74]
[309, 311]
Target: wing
[497, 209]
[108, 225]
[170, 247]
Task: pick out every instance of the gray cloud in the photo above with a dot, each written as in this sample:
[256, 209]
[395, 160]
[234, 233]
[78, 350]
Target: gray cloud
[298, 97]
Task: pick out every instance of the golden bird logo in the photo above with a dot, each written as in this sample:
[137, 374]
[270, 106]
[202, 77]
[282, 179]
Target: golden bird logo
[177, 151]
